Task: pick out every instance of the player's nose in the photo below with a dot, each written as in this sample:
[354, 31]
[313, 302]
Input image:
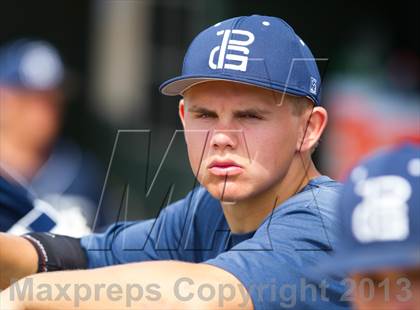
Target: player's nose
[225, 138]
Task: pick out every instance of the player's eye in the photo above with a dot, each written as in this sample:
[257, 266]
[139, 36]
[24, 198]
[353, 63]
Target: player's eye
[203, 115]
[250, 116]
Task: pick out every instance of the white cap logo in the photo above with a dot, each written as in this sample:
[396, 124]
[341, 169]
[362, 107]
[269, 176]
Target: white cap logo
[41, 67]
[312, 87]
[231, 45]
[382, 215]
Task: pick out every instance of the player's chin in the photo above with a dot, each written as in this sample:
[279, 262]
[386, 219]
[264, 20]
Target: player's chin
[231, 192]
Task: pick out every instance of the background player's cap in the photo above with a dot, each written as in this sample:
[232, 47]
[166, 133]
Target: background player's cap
[380, 213]
[30, 64]
[259, 50]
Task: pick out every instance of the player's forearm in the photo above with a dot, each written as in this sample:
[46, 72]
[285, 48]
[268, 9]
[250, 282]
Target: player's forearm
[18, 259]
[149, 285]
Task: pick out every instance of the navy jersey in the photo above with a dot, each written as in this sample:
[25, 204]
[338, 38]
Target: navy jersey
[270, 261]
[61, 197]
[15, 202]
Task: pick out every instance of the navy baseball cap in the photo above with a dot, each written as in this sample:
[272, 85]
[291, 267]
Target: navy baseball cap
[258, 50]
[379, 214]
[31, 64]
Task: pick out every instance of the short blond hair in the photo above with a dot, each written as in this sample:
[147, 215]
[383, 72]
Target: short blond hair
[299, 105]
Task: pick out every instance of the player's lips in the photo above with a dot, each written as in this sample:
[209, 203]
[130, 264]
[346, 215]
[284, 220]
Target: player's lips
[224, 167]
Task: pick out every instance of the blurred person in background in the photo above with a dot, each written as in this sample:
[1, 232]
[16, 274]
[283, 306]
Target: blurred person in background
[46, 184]
[380, 231]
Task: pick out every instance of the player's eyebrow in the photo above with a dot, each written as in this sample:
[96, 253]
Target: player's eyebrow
[201, 110]
[253, 111]
[257, 111]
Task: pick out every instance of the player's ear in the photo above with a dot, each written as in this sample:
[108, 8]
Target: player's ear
[313, 126]
[181, 111]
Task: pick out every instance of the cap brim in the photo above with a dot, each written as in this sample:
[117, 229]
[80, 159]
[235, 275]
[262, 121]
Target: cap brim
[179, 85]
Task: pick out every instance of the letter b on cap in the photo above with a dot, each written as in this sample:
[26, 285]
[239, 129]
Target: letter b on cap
[239, 46]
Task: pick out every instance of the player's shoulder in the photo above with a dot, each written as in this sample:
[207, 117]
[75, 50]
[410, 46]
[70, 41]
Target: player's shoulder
[307, 219]
[318, 198]
[321, 191]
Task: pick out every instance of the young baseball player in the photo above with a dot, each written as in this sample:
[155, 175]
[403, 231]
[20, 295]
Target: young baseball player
[251, 112]
[380, 231]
